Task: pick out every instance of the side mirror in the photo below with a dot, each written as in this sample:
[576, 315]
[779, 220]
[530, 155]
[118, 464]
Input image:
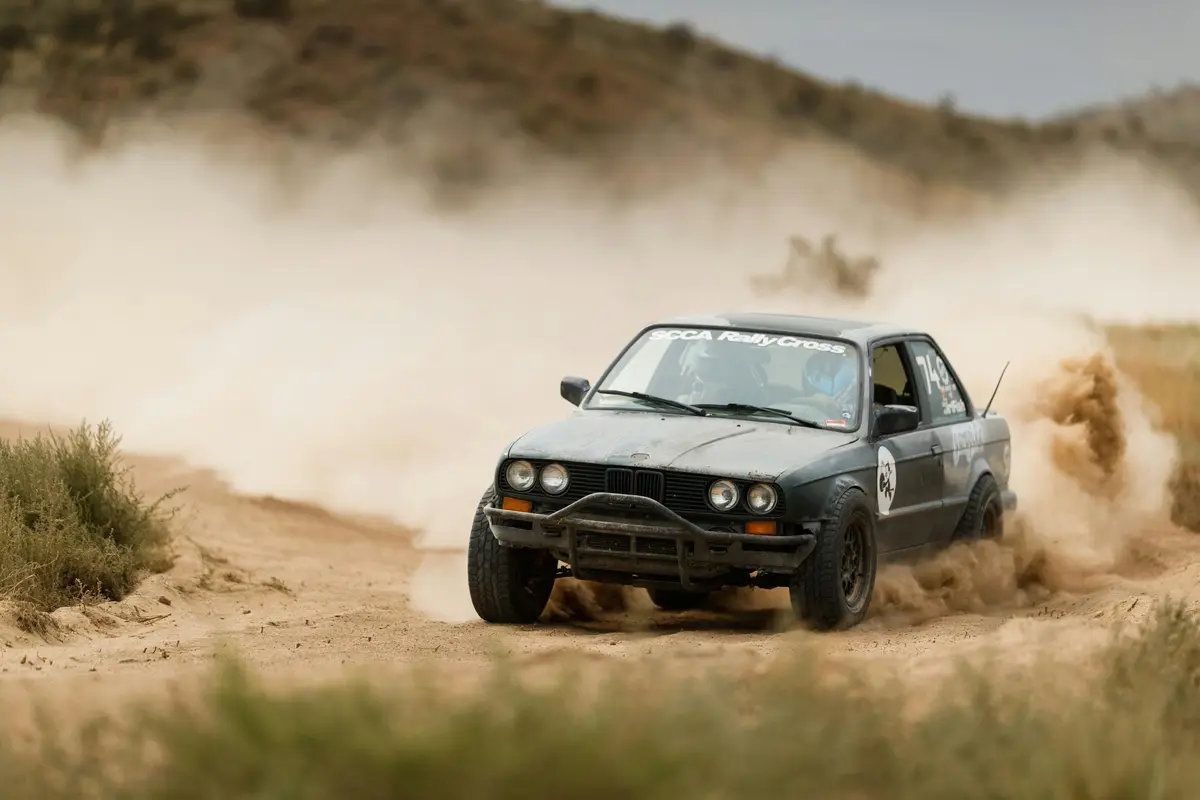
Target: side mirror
[896, 419]
[573, 389]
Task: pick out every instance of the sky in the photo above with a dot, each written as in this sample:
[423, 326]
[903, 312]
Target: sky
[1025, 59]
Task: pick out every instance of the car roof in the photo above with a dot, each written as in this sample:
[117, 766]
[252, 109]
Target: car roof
[858, 331]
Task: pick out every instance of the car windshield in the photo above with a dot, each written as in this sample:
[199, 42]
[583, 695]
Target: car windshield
[725, 371]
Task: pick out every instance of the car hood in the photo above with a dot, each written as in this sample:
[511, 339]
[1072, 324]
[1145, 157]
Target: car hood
[712, 445]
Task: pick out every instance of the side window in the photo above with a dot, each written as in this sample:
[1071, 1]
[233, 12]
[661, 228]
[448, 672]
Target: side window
[937, 384]
[893, 384]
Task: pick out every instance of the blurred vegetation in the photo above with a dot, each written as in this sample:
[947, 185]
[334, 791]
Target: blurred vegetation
[1129, 730]
[827, 266]
[574, 83]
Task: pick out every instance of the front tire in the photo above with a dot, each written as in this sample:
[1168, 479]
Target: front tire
[832, 590]
[508, 585]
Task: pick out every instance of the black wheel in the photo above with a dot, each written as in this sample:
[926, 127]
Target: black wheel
[833, 587]
[677, 599]
[508, 585]
[984, 514]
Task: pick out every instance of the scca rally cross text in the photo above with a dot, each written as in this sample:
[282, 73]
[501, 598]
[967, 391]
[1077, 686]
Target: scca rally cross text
[760, 339]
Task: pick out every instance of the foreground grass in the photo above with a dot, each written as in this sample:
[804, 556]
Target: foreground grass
[1133, 733]
[71, 521]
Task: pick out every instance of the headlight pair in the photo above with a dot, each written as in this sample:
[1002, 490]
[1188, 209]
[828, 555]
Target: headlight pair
[760, 497]
[521, 475]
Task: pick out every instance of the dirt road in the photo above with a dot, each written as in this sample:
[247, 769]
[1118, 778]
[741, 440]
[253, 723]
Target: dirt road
[301, 593]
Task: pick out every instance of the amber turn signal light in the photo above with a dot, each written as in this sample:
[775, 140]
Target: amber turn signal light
[765, 527]
[516, 504]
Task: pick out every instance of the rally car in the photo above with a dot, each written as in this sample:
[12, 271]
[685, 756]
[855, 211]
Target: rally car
[744, 450]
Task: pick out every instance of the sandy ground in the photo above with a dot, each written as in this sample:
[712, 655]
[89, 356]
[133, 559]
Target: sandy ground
[301, 593]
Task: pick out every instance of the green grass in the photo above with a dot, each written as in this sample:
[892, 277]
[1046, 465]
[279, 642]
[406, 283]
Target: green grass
[72, 523]
[1133, 732]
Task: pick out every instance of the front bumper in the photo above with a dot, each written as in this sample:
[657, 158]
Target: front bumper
[659, 549]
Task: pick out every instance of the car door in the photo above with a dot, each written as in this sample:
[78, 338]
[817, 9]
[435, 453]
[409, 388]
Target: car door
[909, 474]
[959, 434]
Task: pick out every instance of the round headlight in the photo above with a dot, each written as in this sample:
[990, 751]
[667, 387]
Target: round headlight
[554, 478]
[723, 495]
[761, 498]
[520, 475]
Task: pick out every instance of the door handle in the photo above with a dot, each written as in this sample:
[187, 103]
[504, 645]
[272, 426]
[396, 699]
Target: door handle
[937, 449]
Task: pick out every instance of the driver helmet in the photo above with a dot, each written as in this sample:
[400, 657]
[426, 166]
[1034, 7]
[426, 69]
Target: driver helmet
[828, 374]
[723, 368]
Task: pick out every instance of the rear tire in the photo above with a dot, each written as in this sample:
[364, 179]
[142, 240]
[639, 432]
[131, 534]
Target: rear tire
[832, 589]
[677, 599]
[508, 585]
[984, 515]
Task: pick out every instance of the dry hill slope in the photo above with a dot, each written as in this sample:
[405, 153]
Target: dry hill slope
[575, 84]
[1166, 116]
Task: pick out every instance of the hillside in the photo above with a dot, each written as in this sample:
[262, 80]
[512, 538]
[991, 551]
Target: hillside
[575, 84]
[1163, 116]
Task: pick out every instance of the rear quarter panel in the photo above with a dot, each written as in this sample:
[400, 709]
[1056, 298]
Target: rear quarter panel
[971, 449]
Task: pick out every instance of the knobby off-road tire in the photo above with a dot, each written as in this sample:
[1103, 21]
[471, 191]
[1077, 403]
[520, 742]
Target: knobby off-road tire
[508, 585]
[983, 517]
[828, 592]
[677, 599]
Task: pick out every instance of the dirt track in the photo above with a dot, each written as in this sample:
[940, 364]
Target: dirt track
[335, 353]
[303, 593]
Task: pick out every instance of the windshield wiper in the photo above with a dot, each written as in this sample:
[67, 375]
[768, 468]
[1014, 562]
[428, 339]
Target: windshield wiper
[662, 401]
[779, 412]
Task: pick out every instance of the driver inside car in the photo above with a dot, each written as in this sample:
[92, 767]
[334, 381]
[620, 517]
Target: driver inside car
[830, 377]
[725, 377]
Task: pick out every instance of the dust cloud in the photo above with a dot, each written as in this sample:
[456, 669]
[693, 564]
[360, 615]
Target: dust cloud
[1094, 516]
[349, 344]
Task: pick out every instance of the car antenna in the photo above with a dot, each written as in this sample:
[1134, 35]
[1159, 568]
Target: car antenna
[993, 397]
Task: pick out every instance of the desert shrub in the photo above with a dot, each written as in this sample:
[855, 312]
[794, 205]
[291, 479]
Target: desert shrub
[72, 521]
[270, 10]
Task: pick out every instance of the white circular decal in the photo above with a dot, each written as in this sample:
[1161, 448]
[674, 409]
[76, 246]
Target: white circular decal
[885, 489]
